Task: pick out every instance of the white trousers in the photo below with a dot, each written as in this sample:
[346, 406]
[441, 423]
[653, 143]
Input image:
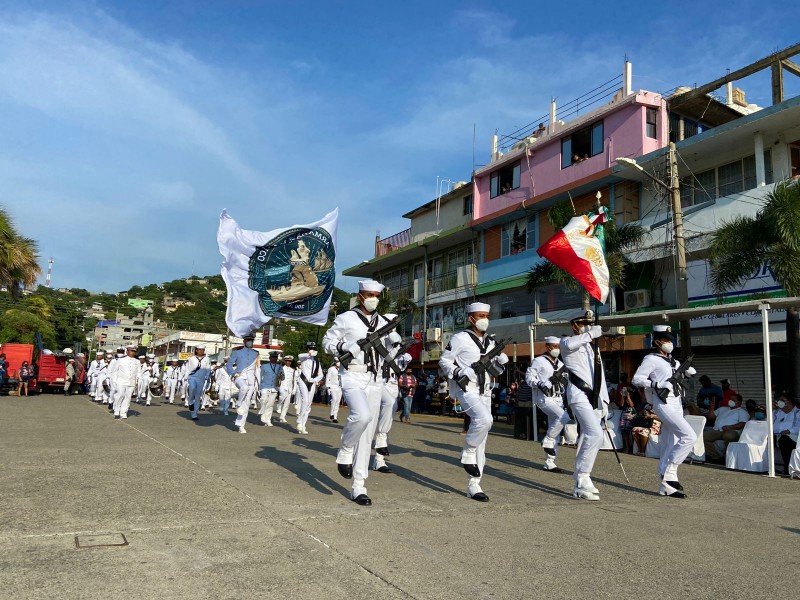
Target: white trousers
[335, 394]
[363, 395]
[479, 408]
[386, 414]
[93, 387]
[224, 398]
[195, 395]
[591, 438]
[170, 387]
[284, 399]
[677, 437]
[267, 399]
[144, 386]
[304, 406]
[247, 388]
[557, 417]
[122, 399]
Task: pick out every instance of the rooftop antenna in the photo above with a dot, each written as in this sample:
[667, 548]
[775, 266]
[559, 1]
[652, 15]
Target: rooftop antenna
[49, 272]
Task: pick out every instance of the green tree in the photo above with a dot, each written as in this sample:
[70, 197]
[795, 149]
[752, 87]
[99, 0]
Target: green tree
[19, 260]
[618, 240]
[20, 327]
[741, 245]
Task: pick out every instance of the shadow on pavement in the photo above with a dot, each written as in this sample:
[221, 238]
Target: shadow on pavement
[298, 465]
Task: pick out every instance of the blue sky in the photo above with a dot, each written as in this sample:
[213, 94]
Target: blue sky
[127, 126]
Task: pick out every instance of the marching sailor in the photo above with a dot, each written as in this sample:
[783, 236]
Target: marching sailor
[172, 380]
[101, 377]
[288, 387]
[548, 395]
[149, 375]
[677, 437]
[579, 358]
[198, 370]
[242, 365]
[389, 397]
[362, 385]
[91, 374]
[310, 376]
[466, 348]
[269, 378]
[141, 391]
[334, 385]
[125, 374]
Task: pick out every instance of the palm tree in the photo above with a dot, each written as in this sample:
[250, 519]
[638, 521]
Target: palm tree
[617, 239]
[741, 245]
[19, 261]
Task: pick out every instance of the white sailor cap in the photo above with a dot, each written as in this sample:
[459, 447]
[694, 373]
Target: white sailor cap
[175, 359]
[370, 285]
[200, 347]
[213, 360]
[151, 355]
[100, 352]
[141, 357]
[288, 357]
[551, 339]
[662, 329]
[79, 354]
[109, 353]
[478, 307]
[131, 347]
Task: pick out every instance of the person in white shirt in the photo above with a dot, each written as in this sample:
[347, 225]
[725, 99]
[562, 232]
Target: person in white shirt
[785, 426]
[334, 387]
[677, 437]
[549, 397]
[242, 366]
[101, 375]
[287, 389]
[270, 377]
[198, 370]
[222, 385]
[727, 427]
[91, 374]
[310, 376]
[126, 375]
[141, 391]
[465, 349]
[389, 398]
[172, 379]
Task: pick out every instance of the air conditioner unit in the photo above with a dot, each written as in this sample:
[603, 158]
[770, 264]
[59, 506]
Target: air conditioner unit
[434, 334]
[637, 299]
[614, 331]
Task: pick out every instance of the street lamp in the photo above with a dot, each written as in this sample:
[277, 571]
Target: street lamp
[674, 190]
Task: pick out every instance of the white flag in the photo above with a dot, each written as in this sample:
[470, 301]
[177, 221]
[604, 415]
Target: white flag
[288, 272]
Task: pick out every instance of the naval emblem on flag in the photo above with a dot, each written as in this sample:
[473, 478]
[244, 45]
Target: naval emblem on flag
[286, 272]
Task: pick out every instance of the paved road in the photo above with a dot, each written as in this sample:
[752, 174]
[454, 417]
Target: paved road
[209, 513]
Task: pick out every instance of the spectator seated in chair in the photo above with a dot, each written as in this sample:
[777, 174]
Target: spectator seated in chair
[785, 426]
[728, 427]
[644, 424]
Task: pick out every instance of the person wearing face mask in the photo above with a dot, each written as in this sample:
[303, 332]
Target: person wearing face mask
[727, 427]
[466, 348]
[310, 376]
[389, 398]
[785, 426]
[677, 437]
[709, 398]
[578, 355]
[549, 397]
[198, 369]
[242, 365]
[334, 387]
[362, 385]
[288, 388]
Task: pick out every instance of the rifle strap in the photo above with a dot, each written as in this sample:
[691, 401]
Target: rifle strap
[371, 356]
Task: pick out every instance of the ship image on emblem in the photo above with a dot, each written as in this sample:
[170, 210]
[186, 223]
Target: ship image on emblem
[294, 273]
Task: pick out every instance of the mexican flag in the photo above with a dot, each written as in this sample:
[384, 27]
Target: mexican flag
[579, 250]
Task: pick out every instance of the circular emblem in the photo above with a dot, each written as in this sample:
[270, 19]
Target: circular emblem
[294, 273]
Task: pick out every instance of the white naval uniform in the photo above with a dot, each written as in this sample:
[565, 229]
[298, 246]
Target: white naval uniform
[172, 379]
[242, 366]
[334, 386]
[101, 375]
[222, 383]
[389, 398]
[141, 389]
[148, 375]
[287, 391]
[677, 438]
[462, 351]
[310, 376]
[183, 384]
[268, 386]
[112, 379]
[362, 385]
[91, 376]
[198, 370]
[578, 356]
[126, 374]
[549, 400]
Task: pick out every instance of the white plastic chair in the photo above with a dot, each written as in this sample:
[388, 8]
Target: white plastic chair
[613, 428]
[697, 423]
[750, 452]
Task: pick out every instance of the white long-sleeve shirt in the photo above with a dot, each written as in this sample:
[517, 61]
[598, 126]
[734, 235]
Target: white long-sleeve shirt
[198, 368]
[310, 369]
[289, 379]
[173, 373]
[462, 352]
[781, 421]
[655, 368]
[578, 355]
[126, 371]
[332, 377]
[538, 377]
[347, 329]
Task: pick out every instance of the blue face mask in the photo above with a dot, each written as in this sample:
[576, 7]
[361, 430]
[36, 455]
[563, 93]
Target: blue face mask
[706, 402]
[760, 416]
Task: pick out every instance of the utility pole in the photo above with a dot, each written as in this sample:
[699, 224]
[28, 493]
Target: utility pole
[681, 284]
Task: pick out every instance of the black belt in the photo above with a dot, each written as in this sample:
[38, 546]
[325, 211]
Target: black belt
[584, 387]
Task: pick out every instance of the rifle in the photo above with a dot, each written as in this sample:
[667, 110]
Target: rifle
[559, 379]
[373, 340]
[484, 364]
[677, 379]
[392, 362]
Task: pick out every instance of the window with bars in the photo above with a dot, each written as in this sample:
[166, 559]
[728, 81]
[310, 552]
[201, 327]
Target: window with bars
[652, 119]
[504, 180]
[518, 236]
[731, 178]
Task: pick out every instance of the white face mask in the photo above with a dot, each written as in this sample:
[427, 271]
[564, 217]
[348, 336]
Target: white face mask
[482, 324]
[555, 352]
[667, 347]
[781, 404]
[371, 304]
[312, 352]
[248, 344]
[732, 403]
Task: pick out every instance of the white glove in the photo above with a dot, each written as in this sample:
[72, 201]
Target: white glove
[470, 373]
[595, 331]
[690, 372]
[395, 338]
[664, 385]
[501, 358]
[353, 349]
[545, 384]
[603, 409]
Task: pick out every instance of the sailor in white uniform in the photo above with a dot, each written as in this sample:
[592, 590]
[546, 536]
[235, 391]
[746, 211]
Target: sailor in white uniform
[310, 375]
[677, 437]
[466, 348]
[389, 398]
[242, 365]
[91, 374]
[548, 395]
[579, 358]
[288, 387]
[125, 375]
[198, 371]
[172, 380]
[334, 386]
[269, 381]
[222, 384]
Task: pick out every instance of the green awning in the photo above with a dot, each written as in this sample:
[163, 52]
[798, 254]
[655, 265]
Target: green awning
[498, 285]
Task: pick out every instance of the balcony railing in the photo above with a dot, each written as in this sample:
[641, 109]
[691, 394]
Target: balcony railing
[443, 282]
[393, 242]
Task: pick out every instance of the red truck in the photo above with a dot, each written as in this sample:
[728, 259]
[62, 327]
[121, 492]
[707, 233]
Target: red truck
[50, 368]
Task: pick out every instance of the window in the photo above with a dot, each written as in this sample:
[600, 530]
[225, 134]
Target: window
[395, 280]
[674, 128]
[732, 178]
[468, 203]
[504, 180]
[512, 303]
[518, 236]
[700, 188]
[582, 144]
[651, 117]
[459, 258]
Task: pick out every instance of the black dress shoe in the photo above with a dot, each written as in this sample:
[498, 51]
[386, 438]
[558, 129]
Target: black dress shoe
[362, 500]
[472, 470]
[346, 471]
[195, 418]
[480, 497]
[335, 420]
[384, 469]
[676, 485]
[675, 494]
[555, 470]
[382, 451]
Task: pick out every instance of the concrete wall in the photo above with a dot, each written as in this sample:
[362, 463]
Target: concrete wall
[450, 215]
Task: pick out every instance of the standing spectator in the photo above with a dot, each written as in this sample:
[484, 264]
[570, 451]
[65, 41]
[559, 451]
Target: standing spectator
[442, 392]
[730, 421]
[25, 375]
[785, 426]
[626, 399]
[69, 377]
[407, 384]
[709, 397]
[3, 369]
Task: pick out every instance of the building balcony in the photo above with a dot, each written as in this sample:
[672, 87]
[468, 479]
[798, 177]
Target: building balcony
[393, 242]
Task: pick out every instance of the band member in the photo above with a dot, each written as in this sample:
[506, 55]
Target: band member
[677, 437]
[222, 383]
[125, 373]
[548, 394]
[288, 387]
[362, 384]
[579, 358]
[91, 373]
[389, 397]
[465, 349]
[269, 381]
[310, 376]
[172, 380]
[334, 386]
[242, 365]
[198, 370]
